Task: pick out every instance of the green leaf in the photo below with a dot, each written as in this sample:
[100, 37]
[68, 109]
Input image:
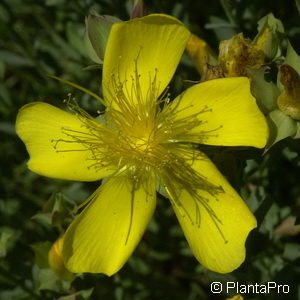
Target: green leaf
[4, 14]
[57, 41]
[263, 209]
[43, 218]
[140, 266]
[8, 128]
[291, 251]
[5, 98]
[41, 250]
[14, 59]
[15, 293]
[298, 5]
[266, 93]
[292, 58]
[221, 28]
[4, 239]
[61, 209]
[270, 219]
[11, 207]
[55, 2]
[92, 67]
[90, 51]
[228, 8]
[48, 280]
[75, 34]
[2, 69]
[81, 295]
[297, 134]
[281, 126]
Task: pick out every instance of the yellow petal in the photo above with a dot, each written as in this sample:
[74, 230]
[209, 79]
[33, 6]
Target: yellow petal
[56, 262]
[227, 112]
[141, 56]
[40, 126]
[216, 226]
[104, 235]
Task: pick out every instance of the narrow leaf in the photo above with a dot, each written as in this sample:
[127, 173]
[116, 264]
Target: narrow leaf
[92, 94]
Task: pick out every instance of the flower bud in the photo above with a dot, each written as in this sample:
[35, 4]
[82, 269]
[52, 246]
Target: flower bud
[268, 42]
[138, 10]
[289, 100]
[268, 39]
[56, 262]
[96, 36]
[237, 54]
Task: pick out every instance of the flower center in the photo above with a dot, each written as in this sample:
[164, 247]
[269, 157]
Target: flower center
[141, 143]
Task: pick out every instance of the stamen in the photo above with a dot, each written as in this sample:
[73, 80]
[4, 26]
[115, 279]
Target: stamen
[138, 138]
[179, 176]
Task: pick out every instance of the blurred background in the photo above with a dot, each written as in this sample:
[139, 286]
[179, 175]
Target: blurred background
[38, 38]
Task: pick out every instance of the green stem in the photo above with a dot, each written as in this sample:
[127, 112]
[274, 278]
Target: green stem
[92, 94]
[226, 4]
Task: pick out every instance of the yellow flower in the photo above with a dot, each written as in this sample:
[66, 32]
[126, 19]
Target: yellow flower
[144, 141]
[289, 100]
[237, 54]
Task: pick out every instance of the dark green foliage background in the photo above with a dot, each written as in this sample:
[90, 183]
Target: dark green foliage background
[45, 37]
